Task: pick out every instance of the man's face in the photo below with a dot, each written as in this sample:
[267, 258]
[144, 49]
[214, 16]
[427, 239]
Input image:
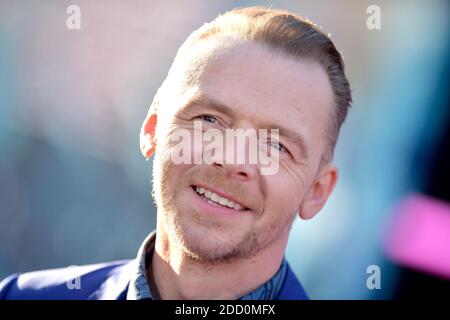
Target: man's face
[261, 89]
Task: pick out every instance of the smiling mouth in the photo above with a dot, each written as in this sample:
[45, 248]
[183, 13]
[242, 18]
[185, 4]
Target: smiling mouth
[217, 200]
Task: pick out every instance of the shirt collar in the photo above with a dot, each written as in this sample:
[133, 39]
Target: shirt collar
[139, 289]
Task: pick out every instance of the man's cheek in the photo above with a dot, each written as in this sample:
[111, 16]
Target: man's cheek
[180, 147]
[293, 174]
[270, 166]
[286, 190]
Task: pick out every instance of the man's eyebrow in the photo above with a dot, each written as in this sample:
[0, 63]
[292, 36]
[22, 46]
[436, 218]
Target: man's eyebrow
[205, 101]
[291, 135]
[295, 138]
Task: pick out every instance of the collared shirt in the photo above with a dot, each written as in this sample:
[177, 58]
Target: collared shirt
[139, 289]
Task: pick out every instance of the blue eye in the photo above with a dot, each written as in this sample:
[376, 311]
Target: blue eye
[278, 145]
[208, 118]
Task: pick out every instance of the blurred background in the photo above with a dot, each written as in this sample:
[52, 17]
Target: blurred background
[74, 188]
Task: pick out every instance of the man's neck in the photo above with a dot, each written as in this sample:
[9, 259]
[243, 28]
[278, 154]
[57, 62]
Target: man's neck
[174, 275]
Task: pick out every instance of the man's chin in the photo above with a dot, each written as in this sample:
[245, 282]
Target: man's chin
[209, 245]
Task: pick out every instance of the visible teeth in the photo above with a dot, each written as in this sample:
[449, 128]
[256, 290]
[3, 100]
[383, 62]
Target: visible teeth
[216, 199]
[223, 201]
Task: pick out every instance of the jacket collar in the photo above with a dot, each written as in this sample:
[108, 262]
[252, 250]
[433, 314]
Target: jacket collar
[128, 281]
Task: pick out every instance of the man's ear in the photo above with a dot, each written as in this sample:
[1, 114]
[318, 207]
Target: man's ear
[319, 191]
[147, 136]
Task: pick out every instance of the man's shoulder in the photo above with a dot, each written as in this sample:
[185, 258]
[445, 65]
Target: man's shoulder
[292, 289]
[103, 280]
[97, 281]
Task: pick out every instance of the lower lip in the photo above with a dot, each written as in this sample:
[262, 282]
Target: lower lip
[215, 209]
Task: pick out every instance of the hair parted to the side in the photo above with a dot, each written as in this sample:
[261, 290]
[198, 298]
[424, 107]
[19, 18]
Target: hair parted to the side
[292, 35]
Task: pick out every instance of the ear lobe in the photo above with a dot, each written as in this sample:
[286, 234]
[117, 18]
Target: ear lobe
[319, 192]
[147, 136]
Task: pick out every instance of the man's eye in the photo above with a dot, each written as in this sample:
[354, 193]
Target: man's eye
[279, 146]
[207, 118]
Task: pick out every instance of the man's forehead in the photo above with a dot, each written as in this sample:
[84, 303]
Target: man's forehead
[249, 70]
[244, 65]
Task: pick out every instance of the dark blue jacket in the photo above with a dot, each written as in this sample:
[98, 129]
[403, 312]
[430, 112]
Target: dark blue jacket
[98, 282]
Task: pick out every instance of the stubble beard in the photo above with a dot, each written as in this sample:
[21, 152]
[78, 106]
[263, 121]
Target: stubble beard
[181, 235]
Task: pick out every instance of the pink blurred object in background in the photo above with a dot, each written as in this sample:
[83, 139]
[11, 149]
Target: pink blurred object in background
[418, 236]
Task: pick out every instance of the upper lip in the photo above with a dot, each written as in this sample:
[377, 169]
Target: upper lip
[222, 194]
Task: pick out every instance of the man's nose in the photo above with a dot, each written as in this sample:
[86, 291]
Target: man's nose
[239, 159]
[242, 172]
